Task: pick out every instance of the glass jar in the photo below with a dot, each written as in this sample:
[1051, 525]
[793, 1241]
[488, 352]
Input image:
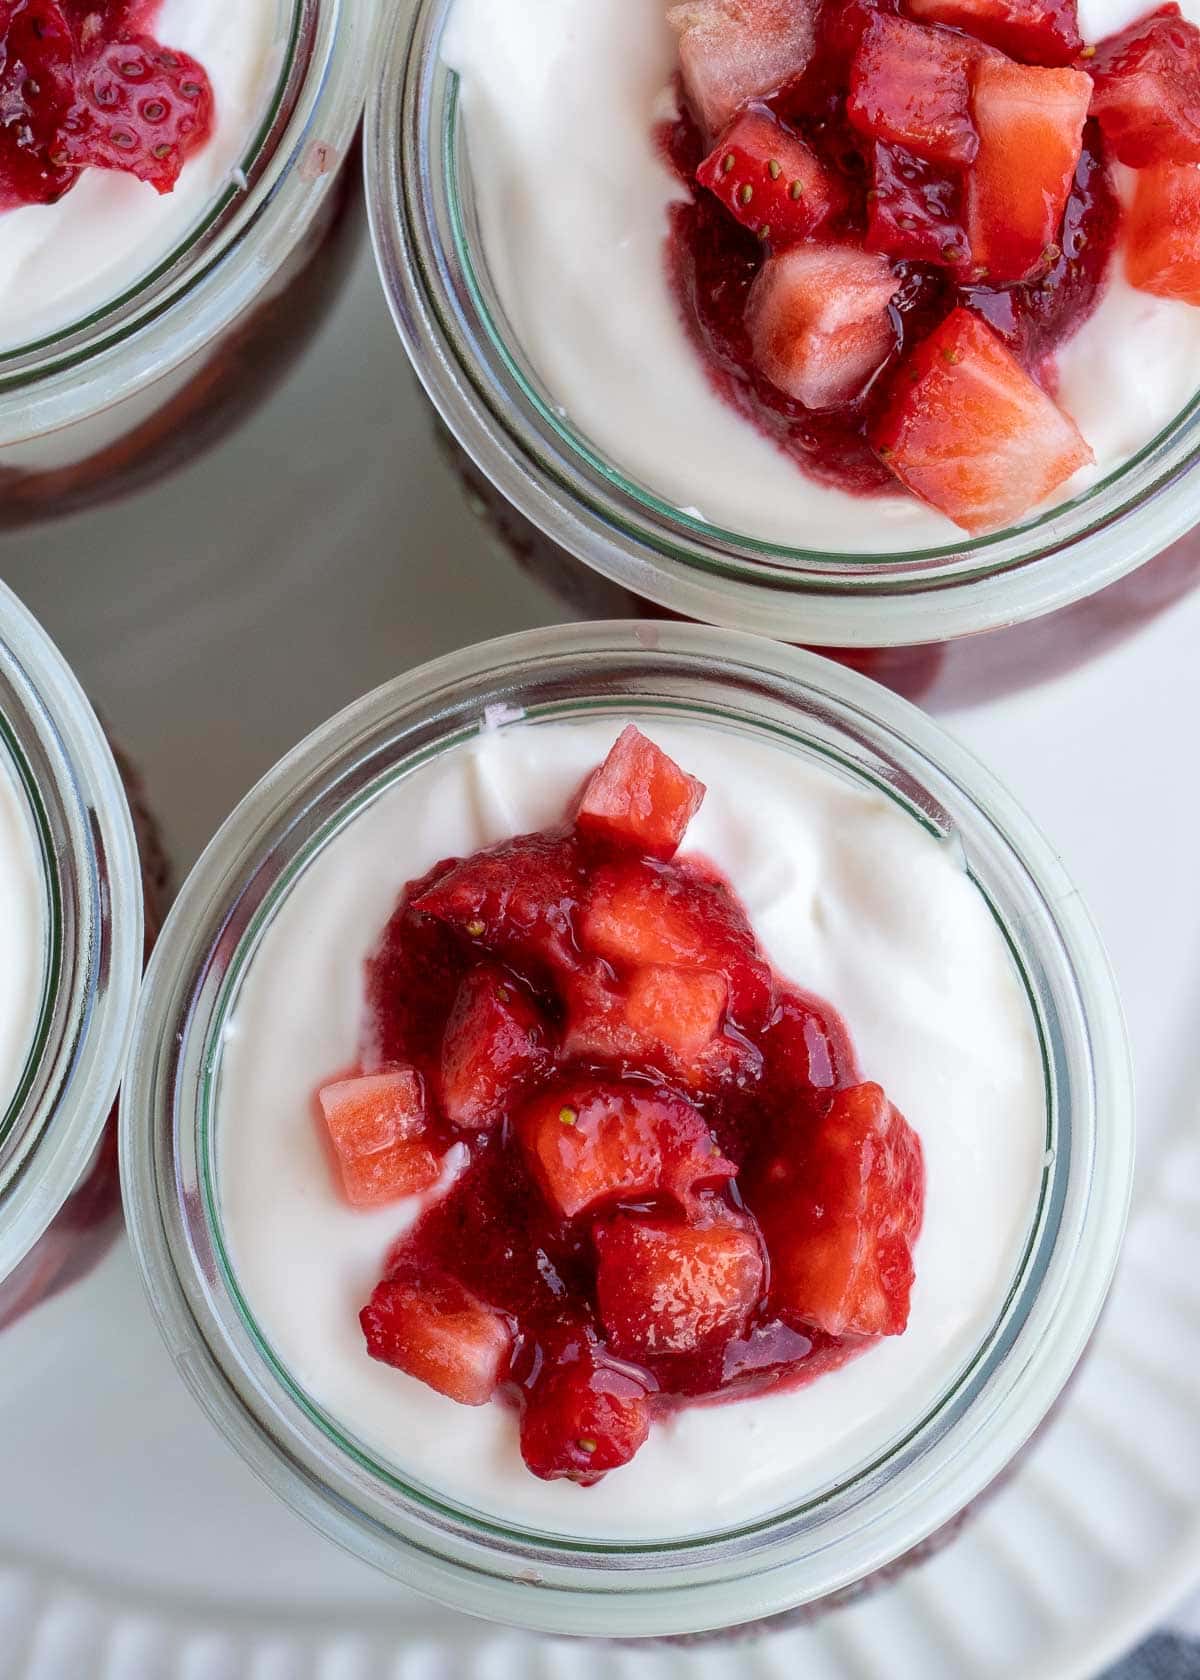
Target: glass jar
[897, 614]
[108, 403]
[59, 1204]
[917, 1483]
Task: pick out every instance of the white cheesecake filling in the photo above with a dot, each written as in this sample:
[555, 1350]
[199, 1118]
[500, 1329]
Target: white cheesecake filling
[23, 916]
[60, 263]
[852, 898]
[560, 100]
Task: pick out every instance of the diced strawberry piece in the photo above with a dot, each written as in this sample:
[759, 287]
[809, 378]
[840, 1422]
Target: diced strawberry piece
[141, 107]
[515, 898]
[1162, 234]
[1040, 31]
[596, 1028]
[639, 914]
[771, 181]
[968, 430]
[911, 86]
[842, 24]
[680, 1008]
[665, 1287]
[494, 1043]
[581, 1420]
[639, 798]
[592, 1141]
[1030, 124]
[1147, 90]
[914, 212]
[37, 91]
[662, 1019]
[378, 1127]
[807, 1045]
[820, 321]
[428, 1325]
[731, 51]
[841, 1217]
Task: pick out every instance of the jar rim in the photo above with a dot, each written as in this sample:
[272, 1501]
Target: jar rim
[209, 281]
[90, 868]
[452, 1554]
[494, 405]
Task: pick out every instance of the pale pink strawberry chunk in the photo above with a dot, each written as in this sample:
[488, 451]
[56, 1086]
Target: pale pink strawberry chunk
[494, 1044]
[637, 915]
[1040, 31]
[590, 1141]
[1162, 233]
[969, 432]
[661, 1017]
[639, 798]
[1030, 124]
[841, 1218]
[911, 86]
[433, 1328]
[378, 1127]
[820, 321]
[678, 1008]
[731, 51]
[664, 1287]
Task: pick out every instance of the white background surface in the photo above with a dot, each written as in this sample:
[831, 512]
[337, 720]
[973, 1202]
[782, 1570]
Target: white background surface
[216, 620]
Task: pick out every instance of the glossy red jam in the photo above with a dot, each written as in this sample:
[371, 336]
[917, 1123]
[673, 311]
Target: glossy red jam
[86, 84]
[676, 1185]
[713, 263]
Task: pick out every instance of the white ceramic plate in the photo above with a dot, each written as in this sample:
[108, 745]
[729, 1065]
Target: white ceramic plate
[133, 1544]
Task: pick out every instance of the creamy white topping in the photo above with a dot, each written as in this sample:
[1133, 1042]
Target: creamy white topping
[60, 262]
[852, 898]
[24, 920]
[560, 100]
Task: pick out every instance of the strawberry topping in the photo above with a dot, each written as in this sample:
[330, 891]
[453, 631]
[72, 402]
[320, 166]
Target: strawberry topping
[912, 86]
[970, 432]
[638, 914]
[378, 1125]
[820, 321]
[667, 1287]
[844, 1264]
[639, 798]
[584, 1415]
[731, 51]
[771, 181]
[668, 1182]
[1147, 94]
[139, 107]
[956, 168]
[494, 1042]
[37, 92]
[661, 1018]
[1032, 31]
[1030, 124]
[86, 85]
[915, 211]
[591, 1142]
[437, 1331]
[1163, 235]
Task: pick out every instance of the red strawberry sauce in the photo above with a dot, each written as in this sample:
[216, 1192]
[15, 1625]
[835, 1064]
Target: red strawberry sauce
[86, 84]
[677, 1187]
[712, 262]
